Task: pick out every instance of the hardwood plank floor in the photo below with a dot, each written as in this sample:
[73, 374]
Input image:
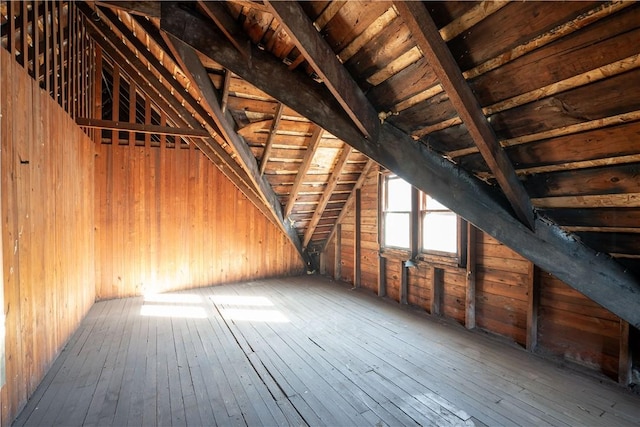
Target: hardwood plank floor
[304, 351]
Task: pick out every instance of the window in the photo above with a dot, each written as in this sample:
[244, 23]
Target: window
[439, 226]
[397, 212]
[430, 228]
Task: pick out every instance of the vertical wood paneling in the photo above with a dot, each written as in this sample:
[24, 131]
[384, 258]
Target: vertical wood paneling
[167, 218]
[47, 214]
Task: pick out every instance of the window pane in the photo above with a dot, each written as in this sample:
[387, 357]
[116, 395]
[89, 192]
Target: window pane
[440, 232]
[433, 204]
[396, 230]
[398, 195]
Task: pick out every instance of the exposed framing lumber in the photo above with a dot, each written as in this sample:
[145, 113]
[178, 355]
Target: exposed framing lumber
[272, 134]
[326, 195]
[198, 75]
[351, 199]
[247, 170]
[441, 60]
[217, 12]
[533, 303]
[625, 360]
[437, 291]
[470, 294]
[142, 8]
[141, 128]
[337, 266]
[601, 279]
[404, 283]
[324, 61]
[314, 142]
[382, 276]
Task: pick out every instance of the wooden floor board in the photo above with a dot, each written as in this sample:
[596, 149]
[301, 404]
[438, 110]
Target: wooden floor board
[325, 355]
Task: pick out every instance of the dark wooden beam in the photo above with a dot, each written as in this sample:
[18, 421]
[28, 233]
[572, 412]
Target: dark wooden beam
[150, 9]
[533, 293]
[382, 276]
[325, 62]
[601, 279]
[219, 14]
[316, 137]
[625, 358]
[141, 128]
[404, 283]
[272, 134]
[425, 32]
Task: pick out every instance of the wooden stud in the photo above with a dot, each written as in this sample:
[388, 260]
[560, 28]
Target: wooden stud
[625, 361]
[225, 91]
[147, 122]
[382, 276]
[470, 295]
[46, 53]
[54, 50]
[357, 250]
[60, 41]
[437, 291]
[414, 226]
[132, 112]
[404, 284]
[36, 41]
[338, 253]
[533, 293]
[24, 37]
[115, 107]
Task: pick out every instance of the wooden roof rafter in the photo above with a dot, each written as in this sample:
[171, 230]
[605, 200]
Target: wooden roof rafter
[441, 60]
[272, 133]
[548, 246]
[218, 13]
[314, 143]
[325, 62]
[327, 193]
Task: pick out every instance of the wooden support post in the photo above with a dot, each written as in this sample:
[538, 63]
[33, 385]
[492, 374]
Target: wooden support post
[46, 53]
[357, 250]
[36, 42]
[61, 50]
[470, 295]
[437, 291]
[54, 54]
[147, 121]
[132, 112]
[323, 263]
[97, 93]
[532, 310]
[225, 91]
[24, 49]
[624, 358]
[338, 255]
[414, 227]
[404, 285]
[115, 107]
[11, 37]
[382, 276]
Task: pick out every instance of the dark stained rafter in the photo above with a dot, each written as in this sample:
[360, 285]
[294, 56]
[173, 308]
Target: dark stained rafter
[325, 62]
[598, 277]
[218, 13]
[314, 142]
[327, 193]
[441, 60]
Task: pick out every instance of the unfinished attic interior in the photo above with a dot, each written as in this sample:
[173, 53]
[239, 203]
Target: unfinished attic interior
[320, 213]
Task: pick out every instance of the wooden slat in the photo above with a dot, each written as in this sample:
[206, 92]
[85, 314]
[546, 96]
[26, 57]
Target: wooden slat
[470, 294]
[269, 144]
[310, 151]
[326, 195]
[324, 61]
[139, 127]
[444, 65]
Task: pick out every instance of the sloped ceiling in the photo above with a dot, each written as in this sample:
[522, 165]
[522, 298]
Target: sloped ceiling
[522, 117]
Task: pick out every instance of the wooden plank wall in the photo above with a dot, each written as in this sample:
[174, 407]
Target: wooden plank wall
[513, 298]
[48, 216]
[573, 326]
[167, 218]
